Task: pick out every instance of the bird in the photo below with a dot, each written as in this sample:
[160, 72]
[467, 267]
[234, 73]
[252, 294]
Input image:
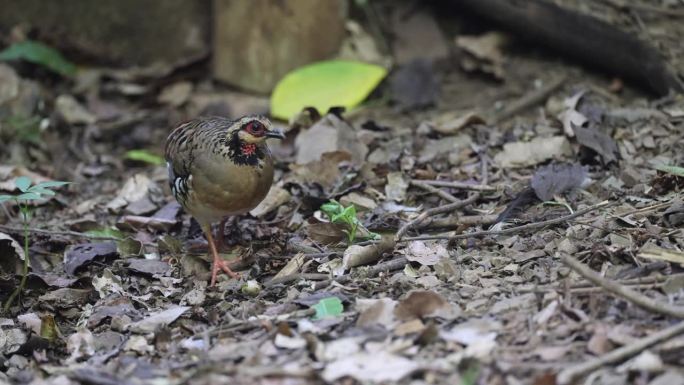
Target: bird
[219, 168]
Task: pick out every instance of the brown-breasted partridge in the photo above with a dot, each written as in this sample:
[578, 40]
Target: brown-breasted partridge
[220, 167]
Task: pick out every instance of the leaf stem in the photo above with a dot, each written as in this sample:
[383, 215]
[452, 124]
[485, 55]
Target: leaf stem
[25, 216]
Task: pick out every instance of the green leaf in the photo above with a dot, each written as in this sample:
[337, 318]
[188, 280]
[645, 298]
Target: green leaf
[50, 184]
[28, 196]
[4, 198]
[144, 156]
[23, 183]
[324, 85]
[39, 53]
[41, 191]
[328, 307]
[679, 171]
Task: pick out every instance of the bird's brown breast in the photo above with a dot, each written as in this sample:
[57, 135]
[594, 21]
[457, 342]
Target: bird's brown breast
[221, 188]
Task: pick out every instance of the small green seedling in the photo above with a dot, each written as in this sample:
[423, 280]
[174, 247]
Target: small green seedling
[346, 216]
[28, 193]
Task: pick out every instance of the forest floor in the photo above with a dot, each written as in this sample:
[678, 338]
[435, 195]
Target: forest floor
[492, 203]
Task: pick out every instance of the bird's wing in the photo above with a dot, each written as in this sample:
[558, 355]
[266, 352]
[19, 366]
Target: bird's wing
[180, 154]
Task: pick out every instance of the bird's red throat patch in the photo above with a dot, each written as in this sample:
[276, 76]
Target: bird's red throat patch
[248, 148]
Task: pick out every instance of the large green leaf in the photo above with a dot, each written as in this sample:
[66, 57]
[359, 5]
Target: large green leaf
[323, 85]
[39, 53]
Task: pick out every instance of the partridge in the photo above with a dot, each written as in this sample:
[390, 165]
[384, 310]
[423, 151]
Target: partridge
[218, 168]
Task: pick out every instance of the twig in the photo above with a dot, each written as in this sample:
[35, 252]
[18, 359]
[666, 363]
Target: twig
[469, 221]
[434, 190]
[514, 230]
[458, 185]
[244, 325]
[640, 282]
[535, 97]
[622, 291]
[59, 232]
[569, 375]
[392, 265]
[296, 277]
[434, 211]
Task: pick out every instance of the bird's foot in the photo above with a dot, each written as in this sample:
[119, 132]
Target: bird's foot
[222, 265]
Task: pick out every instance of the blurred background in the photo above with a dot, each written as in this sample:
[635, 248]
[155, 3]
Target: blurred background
[121, 73]
[476, 112]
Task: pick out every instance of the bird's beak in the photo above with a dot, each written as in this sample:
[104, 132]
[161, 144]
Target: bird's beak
[275, 134]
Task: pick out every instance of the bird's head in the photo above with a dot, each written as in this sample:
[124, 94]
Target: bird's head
[247, 139]
[254, 130]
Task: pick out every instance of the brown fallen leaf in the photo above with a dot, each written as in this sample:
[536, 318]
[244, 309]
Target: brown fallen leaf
[426, 254]
[375, 312]
[422, 303]
[326, 232]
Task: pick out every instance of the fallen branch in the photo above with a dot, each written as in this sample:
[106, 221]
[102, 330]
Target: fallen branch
[565, 31]
[392, 265]
[434, 211]
[622, 291]
[458, 185]
[58, 232]
[466, 221]
[434, 190]
[296, 277]
[588, 287]
[514, 230]
[569, 375]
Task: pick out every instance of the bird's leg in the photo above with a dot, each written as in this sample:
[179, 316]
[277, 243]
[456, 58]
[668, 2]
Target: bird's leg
[220, 235]
[219, 263]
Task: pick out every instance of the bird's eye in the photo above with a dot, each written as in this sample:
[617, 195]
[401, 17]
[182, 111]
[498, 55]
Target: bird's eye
[255, 128]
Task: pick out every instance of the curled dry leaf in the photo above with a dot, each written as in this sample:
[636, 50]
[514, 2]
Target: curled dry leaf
[12, 255]
[570, 117]
[456, 124]
[154, 320]
[396, 186]
[375, 312]
[136, 188]
[522, 154]
[293, 266]
[424, 253]
[356, 255]
[276, 197]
